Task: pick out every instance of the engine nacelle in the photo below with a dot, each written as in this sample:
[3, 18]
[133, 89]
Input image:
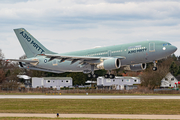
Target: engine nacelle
[136, 67]
[110, 64]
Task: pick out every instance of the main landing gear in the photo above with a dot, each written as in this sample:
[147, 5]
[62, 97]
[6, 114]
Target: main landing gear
[154, 68]
[111, 76]
[92, 75]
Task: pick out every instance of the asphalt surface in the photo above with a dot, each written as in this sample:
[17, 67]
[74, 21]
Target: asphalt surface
[86, 97]
[120, 116]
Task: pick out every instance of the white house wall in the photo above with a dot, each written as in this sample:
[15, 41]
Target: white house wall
[119, 82]
[37, 82]
[50, 82]
[57, 83]
[168, 82]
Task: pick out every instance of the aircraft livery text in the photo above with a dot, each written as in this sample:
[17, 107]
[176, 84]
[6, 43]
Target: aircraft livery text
[31, 42]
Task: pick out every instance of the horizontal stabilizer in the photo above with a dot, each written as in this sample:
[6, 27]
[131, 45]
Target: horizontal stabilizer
[26, 61]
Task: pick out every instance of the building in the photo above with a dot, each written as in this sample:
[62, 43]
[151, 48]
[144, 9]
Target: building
[27, 80]
[51, 82]
[90, 83]
[118, 83]
[169, 81]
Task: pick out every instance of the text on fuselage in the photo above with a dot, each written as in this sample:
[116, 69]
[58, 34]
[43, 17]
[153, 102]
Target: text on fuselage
[137, 51]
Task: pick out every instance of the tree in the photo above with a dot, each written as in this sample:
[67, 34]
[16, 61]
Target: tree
[23, 57]
[78, 78]
[174, 69]
[3, 65]
[151, 79]
[2, 76]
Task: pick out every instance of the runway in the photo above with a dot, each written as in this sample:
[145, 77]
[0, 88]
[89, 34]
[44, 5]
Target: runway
[87, 97]
[120, 116]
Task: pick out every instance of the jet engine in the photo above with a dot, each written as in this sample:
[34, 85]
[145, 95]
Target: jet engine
[110, 64]
[136, 67]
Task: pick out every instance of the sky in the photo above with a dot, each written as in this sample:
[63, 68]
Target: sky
[72, 25]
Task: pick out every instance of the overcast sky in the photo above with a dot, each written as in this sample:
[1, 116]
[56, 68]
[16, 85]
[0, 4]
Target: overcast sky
[71, 25]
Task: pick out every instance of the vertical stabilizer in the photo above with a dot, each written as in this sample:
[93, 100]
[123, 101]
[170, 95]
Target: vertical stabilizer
[30, 45]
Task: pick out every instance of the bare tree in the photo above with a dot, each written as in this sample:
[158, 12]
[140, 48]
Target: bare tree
[152, 79]
[3, 65]
[2, 76]
[23, 57]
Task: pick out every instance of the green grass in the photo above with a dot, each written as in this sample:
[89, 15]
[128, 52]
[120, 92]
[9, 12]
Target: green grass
[86, 106]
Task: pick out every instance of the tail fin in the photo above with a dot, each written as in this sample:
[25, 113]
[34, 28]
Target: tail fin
[30, 45]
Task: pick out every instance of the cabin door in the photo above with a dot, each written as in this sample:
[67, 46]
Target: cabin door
[151, 47]
[109, 53]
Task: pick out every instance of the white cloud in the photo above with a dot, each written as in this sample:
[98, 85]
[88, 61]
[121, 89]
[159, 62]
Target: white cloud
[82, 24]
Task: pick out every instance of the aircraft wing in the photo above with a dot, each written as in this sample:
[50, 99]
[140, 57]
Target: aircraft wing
[73, 59]
[26, 61]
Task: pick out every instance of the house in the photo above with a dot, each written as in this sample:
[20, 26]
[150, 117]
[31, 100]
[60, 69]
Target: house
[90, 83]
[51, 82]
[118, 83]
[169, 81]
[27, 80]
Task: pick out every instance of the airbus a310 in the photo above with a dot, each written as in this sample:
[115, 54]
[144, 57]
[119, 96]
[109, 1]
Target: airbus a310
[132, 56]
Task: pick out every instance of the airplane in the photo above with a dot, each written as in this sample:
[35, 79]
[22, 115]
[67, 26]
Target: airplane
[132, 56]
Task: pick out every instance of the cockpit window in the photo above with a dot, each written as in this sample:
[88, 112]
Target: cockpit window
[166, 44]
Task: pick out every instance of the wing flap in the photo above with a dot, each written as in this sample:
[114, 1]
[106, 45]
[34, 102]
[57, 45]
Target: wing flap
[73, 59]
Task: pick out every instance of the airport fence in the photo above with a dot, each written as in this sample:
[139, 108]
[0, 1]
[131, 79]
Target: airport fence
[51, 91]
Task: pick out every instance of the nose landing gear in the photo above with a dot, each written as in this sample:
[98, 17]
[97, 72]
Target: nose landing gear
[154, 68]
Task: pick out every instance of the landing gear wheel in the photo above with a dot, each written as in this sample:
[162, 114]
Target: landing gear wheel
[90, 75]
[154, 68]
[111, 76]
[106, 75]
[95, 76]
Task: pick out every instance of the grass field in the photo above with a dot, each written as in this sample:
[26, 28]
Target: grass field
[100, 106]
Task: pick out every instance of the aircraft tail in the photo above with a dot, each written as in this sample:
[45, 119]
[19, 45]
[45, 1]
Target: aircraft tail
[30, 45]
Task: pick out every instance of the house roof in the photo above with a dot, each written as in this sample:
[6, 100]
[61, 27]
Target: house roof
[57, 78]
[91, 81]
[169, 75]
[124, 77]
[23, 76]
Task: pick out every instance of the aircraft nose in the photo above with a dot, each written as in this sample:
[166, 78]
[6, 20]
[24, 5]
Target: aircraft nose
[173, 49]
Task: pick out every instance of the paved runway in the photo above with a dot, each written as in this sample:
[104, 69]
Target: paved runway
[86, 97]
[120, 116]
